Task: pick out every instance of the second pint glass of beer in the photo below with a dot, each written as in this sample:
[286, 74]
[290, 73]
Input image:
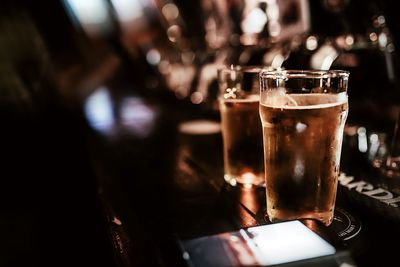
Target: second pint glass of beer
[303, 114]
[241, 125]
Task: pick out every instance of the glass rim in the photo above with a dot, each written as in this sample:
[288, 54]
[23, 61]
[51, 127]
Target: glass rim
[274, 74]
[246, 68]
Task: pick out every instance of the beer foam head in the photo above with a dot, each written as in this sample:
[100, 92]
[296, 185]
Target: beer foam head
[280, 99]
[244, 99]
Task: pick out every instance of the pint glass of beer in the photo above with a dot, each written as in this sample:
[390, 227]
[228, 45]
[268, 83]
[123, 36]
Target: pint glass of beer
[241, 125]
[303, 114]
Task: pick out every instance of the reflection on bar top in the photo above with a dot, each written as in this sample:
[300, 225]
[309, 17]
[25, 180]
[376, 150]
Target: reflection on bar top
[200, 127]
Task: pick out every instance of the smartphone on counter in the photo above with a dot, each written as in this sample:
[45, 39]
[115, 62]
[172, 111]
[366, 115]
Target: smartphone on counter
[288, 243]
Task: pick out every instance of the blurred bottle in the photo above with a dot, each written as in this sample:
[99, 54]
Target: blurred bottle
[378, 150]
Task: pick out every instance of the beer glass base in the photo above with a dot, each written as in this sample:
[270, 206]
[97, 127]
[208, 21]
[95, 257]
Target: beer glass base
[246, 181]
[325, 218]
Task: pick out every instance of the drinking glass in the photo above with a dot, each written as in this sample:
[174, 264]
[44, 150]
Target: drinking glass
[241, 125]
[303, 114]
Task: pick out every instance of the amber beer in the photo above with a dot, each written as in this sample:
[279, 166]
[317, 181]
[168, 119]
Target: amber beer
[242, 137]
[302, 146]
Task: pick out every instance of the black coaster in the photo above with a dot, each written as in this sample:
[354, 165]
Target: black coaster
[345, 225]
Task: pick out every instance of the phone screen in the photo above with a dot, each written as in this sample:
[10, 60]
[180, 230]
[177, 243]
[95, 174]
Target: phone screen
[265, 245]
[285, 242]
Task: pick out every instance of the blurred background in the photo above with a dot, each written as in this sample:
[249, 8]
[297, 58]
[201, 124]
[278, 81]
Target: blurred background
[172, 49]
[91, 90]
